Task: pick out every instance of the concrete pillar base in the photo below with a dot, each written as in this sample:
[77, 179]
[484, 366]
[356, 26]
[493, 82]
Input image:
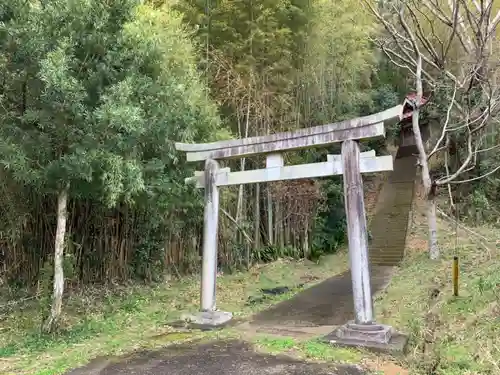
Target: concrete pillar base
[208, 320]
[375, 337]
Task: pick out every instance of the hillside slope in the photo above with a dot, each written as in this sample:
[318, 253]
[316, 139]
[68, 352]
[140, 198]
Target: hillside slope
[448, 335]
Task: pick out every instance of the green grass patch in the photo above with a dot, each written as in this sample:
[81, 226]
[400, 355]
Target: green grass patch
[313, 349]
[448, 335]
[316, 350]
[276, 344]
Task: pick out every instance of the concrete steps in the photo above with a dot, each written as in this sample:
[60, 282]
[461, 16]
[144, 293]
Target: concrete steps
[390, 222]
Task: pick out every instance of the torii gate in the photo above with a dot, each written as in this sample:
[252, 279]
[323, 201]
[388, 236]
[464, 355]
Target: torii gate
[351, 164]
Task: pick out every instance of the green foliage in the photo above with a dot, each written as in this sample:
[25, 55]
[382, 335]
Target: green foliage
[291, 64]
[273, 253]
[330, 227]
[276, 345]
[338, 64]
[249, 78]
[95, 95]
[105, 98]
[107, 320]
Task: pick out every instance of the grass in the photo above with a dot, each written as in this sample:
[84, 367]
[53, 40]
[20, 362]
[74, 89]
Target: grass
[448, 335]
[113, 322]
[311, 349]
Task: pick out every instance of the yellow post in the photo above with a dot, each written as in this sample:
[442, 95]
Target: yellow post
[455, 276]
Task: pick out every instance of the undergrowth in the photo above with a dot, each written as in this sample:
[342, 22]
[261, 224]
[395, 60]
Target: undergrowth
[309, 349]
[448, 335]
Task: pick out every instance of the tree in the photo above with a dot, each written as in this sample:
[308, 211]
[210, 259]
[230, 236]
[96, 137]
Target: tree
[450, 49]
[106, 89]
[281, 65]
[252, 82]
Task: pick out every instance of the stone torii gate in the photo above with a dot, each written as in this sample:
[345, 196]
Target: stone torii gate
[351, 164]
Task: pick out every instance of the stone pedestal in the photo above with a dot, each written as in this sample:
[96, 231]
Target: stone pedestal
[376, 337]
[208, 320]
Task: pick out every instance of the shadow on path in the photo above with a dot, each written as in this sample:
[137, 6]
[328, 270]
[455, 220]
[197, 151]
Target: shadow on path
[329, 303]
[216, 358]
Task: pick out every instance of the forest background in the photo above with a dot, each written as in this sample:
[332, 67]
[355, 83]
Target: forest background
[95, 93]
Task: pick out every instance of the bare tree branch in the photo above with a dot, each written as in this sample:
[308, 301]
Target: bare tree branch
[445, 125]
[469, 23]
[497, 168]
[450, 47]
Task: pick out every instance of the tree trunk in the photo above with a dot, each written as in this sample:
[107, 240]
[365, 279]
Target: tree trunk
[55, 312]
[431, 217]
[241, 193]
[279, 234]
[239, 206]
[306, 239]
[426, 177]
[256, 240]
[270, 221]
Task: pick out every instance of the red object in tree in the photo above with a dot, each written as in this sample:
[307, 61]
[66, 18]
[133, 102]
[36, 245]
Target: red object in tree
[409, 104]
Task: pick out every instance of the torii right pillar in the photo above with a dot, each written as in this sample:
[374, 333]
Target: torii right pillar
[363, 331]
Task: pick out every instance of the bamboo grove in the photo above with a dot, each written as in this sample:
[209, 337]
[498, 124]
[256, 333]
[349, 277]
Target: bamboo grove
[94, 94]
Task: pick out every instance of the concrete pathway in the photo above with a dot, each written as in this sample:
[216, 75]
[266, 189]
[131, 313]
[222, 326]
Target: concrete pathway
[216, 358]
[328, 304]
[323, 306]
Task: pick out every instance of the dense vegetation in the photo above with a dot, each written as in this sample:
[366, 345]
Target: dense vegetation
[94, 94]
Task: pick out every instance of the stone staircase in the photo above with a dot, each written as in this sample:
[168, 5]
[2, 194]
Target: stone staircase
[389, 224]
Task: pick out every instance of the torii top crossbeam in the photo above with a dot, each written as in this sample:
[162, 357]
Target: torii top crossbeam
[359, 128]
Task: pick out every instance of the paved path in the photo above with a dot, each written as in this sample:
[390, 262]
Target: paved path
[216, 358]
[329, 303]
[326, 304]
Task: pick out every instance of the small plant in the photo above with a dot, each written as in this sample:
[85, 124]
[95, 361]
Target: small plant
[276, 345]
[315, 349]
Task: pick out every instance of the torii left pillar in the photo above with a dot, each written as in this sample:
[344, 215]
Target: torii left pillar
[209, 317]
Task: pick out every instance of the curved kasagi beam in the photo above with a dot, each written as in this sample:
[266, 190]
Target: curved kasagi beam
[359, 128]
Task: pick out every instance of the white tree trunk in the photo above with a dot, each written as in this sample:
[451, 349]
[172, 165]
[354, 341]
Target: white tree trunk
[426, 177]
[431, 217]
[270, 220]
[239, 204]
[62, 213]
[256, 241]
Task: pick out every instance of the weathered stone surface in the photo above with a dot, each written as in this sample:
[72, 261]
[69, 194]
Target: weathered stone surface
[383, 342]
[357, 128]
[208, 319]
[378, 333]
[389, 225]
[375, 337]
